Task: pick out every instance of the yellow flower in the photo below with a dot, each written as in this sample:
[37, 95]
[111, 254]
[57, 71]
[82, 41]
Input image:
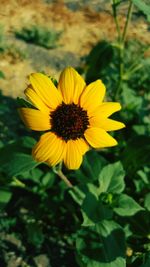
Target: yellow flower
[73, 116]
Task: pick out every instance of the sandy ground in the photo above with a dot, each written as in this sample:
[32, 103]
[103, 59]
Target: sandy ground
[82, 25]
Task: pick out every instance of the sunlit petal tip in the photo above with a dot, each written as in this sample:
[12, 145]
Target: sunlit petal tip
[106, 123]
[92, 96]
[122, 125]
[119, 106]
[99, 138]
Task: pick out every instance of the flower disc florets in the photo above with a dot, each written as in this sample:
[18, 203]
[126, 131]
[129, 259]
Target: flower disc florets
[69, 121]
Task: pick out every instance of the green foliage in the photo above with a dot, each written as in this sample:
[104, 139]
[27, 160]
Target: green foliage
[111, 178]
[2, 76]
[2, 39]
[126, 206]
[94, 246]
[5, 197]
[9, 49]
[145, 8]
[39, 35]
[98, 59]
[103, 220]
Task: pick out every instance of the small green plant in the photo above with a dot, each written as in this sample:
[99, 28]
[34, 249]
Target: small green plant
[9, 49]
[39, 35]
[2, 41]
[16, 53]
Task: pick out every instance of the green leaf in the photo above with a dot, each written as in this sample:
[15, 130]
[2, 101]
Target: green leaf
[147, 201]
[19, 163]
[5, 196]
[2, 76]
[98, 59]
[35, 234]
[88, 171]
[77, 194]
[94, 211]
[111, 178]
[126, 206]
[143, 7]
[136, 154]
[16, 157]
[48, 179]
[147, 262]
[28, 142]
[24, 103]
[131, 100]
[101, 246]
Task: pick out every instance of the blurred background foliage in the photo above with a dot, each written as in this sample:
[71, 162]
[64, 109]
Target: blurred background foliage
[105, 220]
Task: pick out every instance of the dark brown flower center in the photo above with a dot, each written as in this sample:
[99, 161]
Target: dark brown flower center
[69, 121]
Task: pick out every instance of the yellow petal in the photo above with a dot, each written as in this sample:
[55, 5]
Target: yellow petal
[49, 149]
[35, 119]
[106, 109]
[82, 145]
[45, 89]
[36, 100]
[99, 138]
[107, 124]
[73, 156]
[92, 96]
[71, 85]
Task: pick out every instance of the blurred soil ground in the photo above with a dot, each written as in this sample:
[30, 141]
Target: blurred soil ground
[81, 23]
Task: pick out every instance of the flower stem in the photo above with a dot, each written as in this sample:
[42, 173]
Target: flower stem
[121, 39]
[59, 172]
[127, 21]
[116, 19]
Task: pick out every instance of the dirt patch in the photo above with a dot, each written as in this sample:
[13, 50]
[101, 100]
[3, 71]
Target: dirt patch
[81, 26]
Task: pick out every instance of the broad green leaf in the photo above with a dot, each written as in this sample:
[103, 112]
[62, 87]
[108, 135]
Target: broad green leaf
[16, 157]
[101, 246]
[94, 211]
[143, 7]
[111, 178]
[144, 175]
[5, 196]
[79, 192]
[126, 206]
[147, 201]
[19, 163]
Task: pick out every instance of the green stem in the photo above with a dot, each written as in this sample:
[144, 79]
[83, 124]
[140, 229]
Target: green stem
[116, 19]
[121, 71]
[122, 40]
[127, 21]
[59, 172]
